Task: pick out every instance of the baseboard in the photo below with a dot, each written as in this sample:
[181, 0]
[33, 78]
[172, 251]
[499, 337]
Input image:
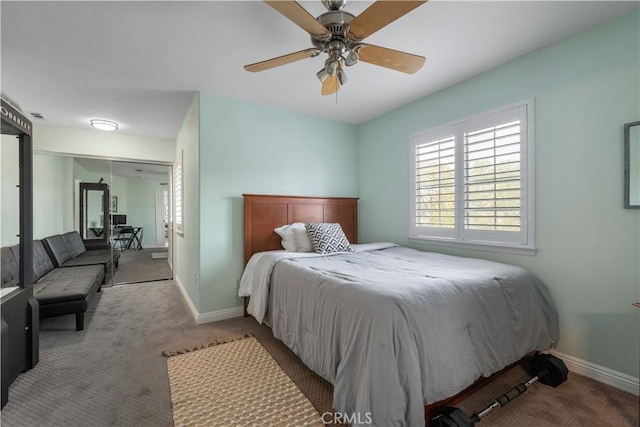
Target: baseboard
[600, 373]
[214, 316]
[187, 298]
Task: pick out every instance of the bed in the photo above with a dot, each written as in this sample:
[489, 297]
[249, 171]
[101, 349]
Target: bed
[395, 330]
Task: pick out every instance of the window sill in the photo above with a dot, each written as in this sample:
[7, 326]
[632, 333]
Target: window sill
[507, 249]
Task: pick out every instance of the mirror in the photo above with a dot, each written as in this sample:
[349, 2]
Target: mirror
[94, 214]
[632, 165]
[94, 226]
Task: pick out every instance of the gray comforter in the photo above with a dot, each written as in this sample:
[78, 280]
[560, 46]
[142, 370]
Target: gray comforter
[396, 329]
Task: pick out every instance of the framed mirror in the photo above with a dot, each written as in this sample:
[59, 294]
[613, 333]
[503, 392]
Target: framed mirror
[632, 165]
[94, 215]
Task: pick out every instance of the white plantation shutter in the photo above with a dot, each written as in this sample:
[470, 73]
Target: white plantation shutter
[178, 194]
[434, 189]
[476, 190]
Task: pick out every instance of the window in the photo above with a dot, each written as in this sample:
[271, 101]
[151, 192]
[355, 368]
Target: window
[472, 182]
[178, 194]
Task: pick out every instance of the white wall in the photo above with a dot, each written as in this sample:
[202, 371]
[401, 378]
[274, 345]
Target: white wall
[96, 143]
[9, 193]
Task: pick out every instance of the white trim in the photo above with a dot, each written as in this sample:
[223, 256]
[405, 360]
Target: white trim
[493, 247]
[214, 316]
[154, 247]
[493, 241]
[187, 298]
[600, 373]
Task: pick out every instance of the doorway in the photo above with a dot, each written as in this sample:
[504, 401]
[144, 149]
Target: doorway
[162, 218]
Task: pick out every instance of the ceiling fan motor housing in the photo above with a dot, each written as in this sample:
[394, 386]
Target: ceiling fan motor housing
[336, 22]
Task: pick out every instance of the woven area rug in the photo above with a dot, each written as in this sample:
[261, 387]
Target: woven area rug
[235, 383]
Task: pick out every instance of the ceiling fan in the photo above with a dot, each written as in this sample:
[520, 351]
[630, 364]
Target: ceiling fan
[340, 34]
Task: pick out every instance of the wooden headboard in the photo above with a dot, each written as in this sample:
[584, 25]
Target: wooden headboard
[263, 213]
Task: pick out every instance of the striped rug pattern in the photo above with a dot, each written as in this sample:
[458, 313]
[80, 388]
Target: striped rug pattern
[235, 383]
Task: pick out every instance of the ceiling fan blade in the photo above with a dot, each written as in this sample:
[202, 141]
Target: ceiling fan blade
[330, 85]
[389, 58]
[299, 16]
[282, 60]
[379, 15]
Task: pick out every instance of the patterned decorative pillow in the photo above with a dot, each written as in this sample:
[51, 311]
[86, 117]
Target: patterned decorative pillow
[327, 238]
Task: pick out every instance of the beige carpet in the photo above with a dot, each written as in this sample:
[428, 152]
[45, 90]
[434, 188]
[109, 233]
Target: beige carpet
[141, 266]
[235, 383]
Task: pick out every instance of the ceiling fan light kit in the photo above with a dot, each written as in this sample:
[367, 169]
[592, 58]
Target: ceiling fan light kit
[339, 34]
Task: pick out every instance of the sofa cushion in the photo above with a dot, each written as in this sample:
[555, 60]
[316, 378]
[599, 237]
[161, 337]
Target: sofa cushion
[88, 259]
[41, 262]
[74, 244]
[95, 272]
[57, 291]
[9, 268]
[57, 249]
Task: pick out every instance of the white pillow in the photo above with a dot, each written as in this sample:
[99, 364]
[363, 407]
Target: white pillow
[300, 236]
[286, 234]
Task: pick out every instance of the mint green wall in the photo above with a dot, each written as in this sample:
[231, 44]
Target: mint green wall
[68, 194]
[48, 195]
[142, 207]
[585, 88]
[119, 188]
[246, 148]
[186, 261]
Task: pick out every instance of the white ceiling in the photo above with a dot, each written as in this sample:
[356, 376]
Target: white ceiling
[139, 63]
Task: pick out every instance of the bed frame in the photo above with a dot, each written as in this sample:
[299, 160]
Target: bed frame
[263, 213]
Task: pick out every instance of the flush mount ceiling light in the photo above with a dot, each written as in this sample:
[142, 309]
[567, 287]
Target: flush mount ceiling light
[104, 124]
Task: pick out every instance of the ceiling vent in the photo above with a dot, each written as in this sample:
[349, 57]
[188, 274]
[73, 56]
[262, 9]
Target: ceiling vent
[38, 116]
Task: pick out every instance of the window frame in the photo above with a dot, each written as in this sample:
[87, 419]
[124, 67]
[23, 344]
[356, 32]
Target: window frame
[459, 236]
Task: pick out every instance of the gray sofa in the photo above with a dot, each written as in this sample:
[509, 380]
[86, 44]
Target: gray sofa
[67, 250]
[66, 275]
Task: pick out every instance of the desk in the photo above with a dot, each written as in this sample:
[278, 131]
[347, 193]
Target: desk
[136, 238]
[128, 237]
